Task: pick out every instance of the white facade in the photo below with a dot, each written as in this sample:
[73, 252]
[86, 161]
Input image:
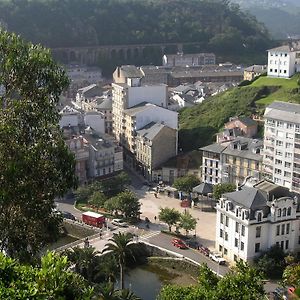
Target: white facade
[244, 233]
[281, 155]
[156, 114]
[155, 94]
[283, 62]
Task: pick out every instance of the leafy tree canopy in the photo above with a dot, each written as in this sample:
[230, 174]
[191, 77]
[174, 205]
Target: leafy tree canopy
[169, 215]
[187, 222]
[186, 183]
[35, 164]
[52, 280]
[216, 25]
[221, 188]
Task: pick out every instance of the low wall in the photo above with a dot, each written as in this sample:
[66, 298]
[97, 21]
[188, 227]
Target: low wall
[79, 230]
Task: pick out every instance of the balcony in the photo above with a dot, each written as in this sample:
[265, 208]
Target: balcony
[268, 169]
[268, 151]
[297, 170]
[269, 133]
[297, 150]
[269, 143]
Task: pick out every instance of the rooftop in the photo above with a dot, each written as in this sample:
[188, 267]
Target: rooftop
[138, 108]
[283, 111]
[151, 130]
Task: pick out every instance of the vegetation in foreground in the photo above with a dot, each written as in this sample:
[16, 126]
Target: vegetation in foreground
[200, 123]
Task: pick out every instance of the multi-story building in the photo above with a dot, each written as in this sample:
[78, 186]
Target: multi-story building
[232, 161]
[96, 153]
[247, 126]
[284, 61]
[154, 144]
[253, 219]
[136, 106]
[281, 155]
[182, 60]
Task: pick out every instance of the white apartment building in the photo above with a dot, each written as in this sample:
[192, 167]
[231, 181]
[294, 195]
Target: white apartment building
[181, 59]
[284, 61]
[281, 155]
[253, 219]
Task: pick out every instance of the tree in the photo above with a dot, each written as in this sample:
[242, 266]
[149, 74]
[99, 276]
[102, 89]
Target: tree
[244, 282]
[119, 245]
[97, 200]
[221, 188]
[35, 163]
[186, 183]
[87, 262]
[291, 275]
[187, 222]
[169, 216]
[128, 204]
[207, 278]
[52, 280]
[112, 205]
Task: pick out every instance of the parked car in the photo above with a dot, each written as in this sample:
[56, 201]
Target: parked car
[68, 215]
[204, 250]
[192, 243]
[217, 258]
[119, 222]
[179, 244]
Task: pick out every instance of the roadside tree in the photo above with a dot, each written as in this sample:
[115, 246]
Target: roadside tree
[221, 188]
[187, 222]
[170, 216]
[186, 183]
[119, 245]
[35, 163]
[97, 200]
[128, 204]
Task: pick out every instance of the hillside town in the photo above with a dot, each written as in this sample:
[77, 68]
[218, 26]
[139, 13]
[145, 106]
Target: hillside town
[190, 167]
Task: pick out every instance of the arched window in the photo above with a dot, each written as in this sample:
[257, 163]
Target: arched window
[284, 212]
[289, 211]
[259, 217]
[279, 212]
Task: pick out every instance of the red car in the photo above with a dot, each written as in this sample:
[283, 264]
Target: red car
[179, 244]
[204, 250]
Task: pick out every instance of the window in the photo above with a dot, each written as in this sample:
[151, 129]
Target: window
[225, 251]
[259, 217]
[271, 70]
[289, 126]
[277, 229]
[288, 155]
[237, 227]
[282, 229]
[287, 164]
[286, 244]
[279, 143]
[257, 247]
[221, 233]
[236, 242]
[288, 228]
[237, 212]
[289, 145]
[278, 171]
[221, 218]
[220, 248]
[278, 162]
[287, 174]
[226, 221]
[242, 246]
[289, 210]
[284, 212]
[226, 236]
[279, 212]
[278, 153]
[281, 244]
[258, 231]
[243, 230]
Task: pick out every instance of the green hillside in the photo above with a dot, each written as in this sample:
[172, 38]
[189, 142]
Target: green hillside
[200, 123]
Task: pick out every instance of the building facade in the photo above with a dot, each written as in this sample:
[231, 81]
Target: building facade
[233, 161]
[251, 220]
[281, 155]
[284, 61]
[182, 60]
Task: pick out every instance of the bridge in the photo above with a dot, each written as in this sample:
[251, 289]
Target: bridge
[91, 54]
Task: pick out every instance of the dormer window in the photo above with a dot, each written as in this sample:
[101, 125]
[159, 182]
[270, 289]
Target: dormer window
[284, 212]
[289, 211]
[259, 216]
[279, 212]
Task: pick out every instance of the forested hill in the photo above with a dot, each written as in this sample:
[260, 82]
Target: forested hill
[218, 25]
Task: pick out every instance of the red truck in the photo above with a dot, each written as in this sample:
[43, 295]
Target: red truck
[93, 219]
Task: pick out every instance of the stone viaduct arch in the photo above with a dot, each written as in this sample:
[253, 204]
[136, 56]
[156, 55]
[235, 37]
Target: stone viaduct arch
[90, 55]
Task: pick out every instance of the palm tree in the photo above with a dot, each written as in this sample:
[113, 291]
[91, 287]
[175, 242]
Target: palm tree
[126, 294]
[86, 262]
[107, 292]
[119, 246]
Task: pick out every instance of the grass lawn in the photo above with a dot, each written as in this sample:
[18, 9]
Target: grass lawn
[270, 81]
